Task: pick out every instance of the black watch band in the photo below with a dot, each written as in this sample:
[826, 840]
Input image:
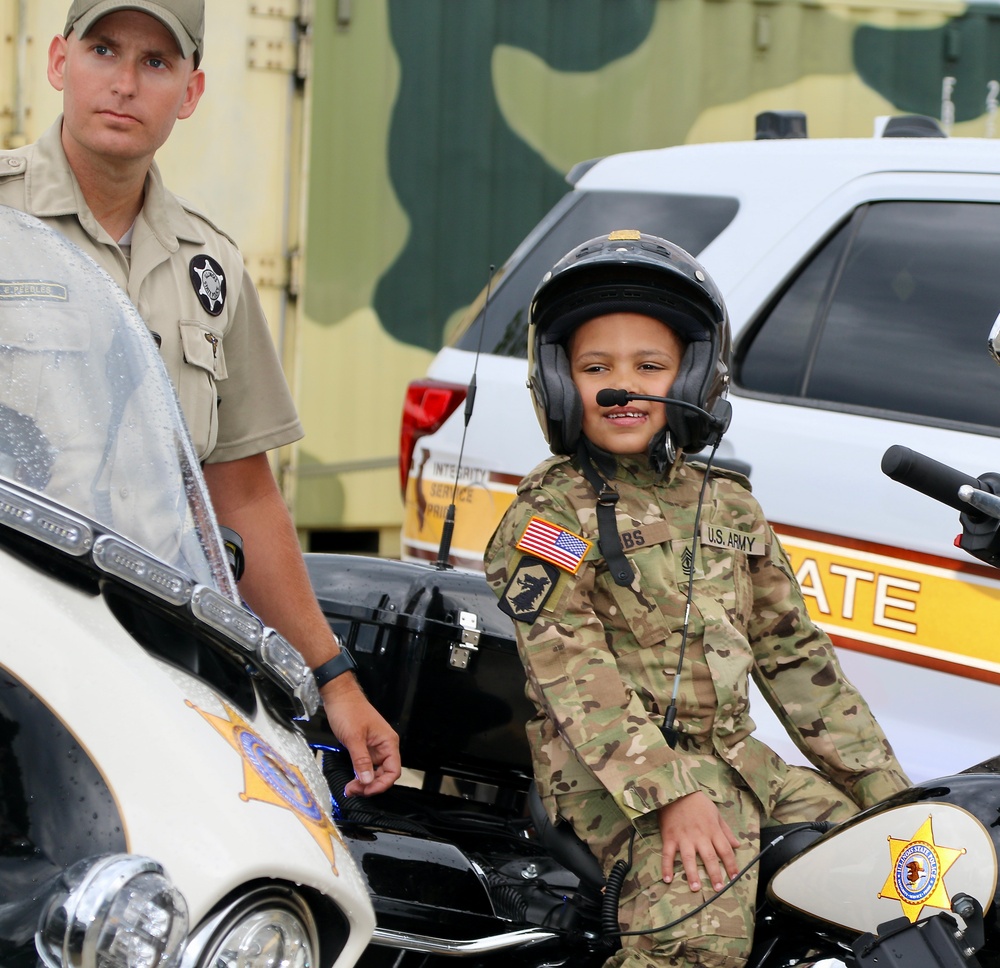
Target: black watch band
[342, 662]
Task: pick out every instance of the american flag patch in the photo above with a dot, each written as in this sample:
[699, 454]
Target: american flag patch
[552, 543]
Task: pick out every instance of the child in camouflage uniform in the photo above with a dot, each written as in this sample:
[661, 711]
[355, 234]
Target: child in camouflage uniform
[646, 591]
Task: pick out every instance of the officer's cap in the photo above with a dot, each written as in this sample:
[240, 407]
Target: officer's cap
[185, 19]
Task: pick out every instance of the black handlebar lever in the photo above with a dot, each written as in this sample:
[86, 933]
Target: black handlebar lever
[970, 496]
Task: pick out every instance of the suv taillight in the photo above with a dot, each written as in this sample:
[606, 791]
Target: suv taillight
[428, 404]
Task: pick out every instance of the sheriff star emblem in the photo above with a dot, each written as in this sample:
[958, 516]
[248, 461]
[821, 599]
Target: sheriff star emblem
[918, 868]
[270, 778]
[209, 281]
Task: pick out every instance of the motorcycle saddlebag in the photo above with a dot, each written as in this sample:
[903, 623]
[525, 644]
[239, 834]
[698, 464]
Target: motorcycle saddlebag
[438, 660]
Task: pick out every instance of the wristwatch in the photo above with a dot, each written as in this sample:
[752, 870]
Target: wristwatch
[342, 662]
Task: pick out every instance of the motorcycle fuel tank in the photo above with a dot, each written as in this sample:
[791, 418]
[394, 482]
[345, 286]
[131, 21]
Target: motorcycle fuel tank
[900, 859]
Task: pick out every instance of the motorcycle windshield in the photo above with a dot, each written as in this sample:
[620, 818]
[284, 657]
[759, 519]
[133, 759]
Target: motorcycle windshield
[88, 416]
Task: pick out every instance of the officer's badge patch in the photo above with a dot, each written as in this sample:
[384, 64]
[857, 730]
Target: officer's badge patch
[529, 589]
[209, 283]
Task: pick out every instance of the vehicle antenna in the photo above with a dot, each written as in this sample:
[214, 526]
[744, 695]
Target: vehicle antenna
[444, 549]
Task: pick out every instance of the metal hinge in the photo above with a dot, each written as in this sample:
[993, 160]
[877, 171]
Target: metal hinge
[268, 271]
[290, 55]
[461, 653]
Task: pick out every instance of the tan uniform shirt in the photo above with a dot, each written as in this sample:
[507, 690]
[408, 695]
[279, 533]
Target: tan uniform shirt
[601, 658]
[189, 284]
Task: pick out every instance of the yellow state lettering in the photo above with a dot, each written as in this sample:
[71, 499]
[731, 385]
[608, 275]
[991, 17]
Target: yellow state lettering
[884, 601]
[890, 595]
[851, 578]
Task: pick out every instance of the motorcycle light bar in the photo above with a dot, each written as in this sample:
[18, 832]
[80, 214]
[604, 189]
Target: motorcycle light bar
[279, 656]
[136, 567]
[37, 520]
[234, 621]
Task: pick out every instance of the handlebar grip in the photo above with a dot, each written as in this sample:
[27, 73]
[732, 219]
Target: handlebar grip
[927, 475]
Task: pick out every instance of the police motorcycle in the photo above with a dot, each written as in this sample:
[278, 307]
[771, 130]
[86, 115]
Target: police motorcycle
[464, 867]
[159, 804]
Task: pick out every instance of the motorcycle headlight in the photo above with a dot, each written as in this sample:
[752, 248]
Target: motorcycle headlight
[113, 912]
[266, 930]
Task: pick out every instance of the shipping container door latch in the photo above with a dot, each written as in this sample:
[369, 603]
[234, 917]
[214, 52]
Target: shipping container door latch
[462, 652]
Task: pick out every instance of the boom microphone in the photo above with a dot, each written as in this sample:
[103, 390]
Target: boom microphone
[618, 398]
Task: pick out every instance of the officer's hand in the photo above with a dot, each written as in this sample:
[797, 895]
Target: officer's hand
[371, 742]
[693, 827]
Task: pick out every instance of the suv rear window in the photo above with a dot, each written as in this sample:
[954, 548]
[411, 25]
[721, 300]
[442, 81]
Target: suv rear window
[690, 221]
[890, 314]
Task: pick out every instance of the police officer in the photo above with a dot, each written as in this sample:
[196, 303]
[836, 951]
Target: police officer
[646, 590]
[127, 72]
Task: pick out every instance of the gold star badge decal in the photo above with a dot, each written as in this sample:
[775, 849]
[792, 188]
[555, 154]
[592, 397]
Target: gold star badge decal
[269, 778]
[918, 869]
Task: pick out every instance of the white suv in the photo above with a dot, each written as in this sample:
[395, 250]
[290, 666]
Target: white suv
[862, 277]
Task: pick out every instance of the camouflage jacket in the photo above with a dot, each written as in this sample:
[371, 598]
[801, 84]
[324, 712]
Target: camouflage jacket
[601, 658]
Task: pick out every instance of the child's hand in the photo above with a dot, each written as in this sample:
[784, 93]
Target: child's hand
[693, 827]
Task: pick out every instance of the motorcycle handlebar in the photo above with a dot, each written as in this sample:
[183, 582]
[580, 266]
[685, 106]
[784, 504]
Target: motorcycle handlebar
[928, 476]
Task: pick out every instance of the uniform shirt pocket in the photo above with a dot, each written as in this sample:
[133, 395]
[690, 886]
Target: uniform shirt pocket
[203, 366]
[203, 348]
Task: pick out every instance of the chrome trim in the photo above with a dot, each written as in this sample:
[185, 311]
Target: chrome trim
[386, 938]
[204, 939]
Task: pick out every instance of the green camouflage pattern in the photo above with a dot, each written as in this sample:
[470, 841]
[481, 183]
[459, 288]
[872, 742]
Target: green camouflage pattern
[721, 934]
[600, 662]
[600, 659]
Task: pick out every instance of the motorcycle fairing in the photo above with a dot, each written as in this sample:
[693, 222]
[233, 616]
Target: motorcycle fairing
[56, 807]
[910, 859]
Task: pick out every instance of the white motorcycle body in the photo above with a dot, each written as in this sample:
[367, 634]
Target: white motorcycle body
[146, 717]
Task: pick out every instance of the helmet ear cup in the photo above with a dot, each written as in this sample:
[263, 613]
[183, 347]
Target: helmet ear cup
[690, 430]
[562, 403]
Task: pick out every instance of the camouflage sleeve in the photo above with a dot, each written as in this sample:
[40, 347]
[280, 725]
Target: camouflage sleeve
[572, 672]
[799, 674]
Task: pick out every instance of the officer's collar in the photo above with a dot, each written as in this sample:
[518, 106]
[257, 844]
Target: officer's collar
[57, 193]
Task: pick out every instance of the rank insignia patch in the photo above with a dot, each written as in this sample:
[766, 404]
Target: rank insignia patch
[529, 589]
[918, 869]
[551, 543]
[209, 283]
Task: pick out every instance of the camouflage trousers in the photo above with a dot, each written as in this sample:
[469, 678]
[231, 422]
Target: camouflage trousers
[719, 936]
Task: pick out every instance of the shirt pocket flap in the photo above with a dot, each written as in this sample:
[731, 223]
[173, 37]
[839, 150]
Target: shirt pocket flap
[203, 348]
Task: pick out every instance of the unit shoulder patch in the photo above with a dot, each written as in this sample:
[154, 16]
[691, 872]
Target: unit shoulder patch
[554, 544]
[528, 589]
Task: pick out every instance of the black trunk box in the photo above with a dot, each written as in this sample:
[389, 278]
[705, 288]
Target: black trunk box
[438, 660]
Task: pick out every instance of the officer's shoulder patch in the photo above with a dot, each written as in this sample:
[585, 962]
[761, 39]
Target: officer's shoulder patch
[529, 589]
[209, 281]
